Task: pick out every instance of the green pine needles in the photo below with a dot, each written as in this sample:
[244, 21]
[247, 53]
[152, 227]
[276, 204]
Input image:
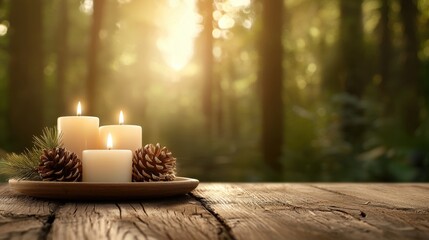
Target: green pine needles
[24, 165]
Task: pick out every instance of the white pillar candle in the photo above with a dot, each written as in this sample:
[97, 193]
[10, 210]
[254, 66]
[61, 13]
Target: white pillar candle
[126, 136]
[111, 165]
[78, 132]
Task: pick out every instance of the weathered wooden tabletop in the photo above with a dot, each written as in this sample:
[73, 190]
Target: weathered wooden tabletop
[230, 211]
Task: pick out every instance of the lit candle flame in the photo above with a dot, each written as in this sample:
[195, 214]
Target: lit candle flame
[79, 109]
[109, 141]
[121, 118]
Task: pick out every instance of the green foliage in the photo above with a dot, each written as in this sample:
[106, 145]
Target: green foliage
[134, 77]
[24, 165]
[20, 166]
[49, 139]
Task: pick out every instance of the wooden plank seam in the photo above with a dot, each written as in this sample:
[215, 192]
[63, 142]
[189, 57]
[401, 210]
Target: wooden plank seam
[225, 230]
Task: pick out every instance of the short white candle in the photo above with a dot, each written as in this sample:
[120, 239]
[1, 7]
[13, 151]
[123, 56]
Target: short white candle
[78, 132]
[111, 165]
[126, 136]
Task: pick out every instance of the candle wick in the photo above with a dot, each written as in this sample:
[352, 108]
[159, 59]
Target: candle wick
[110, 148]
[121, 123]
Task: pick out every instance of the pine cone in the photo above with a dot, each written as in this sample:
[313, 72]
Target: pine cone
[153, 163]
[58, 164]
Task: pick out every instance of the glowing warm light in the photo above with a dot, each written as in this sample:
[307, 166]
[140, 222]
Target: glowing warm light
[181, 28]
[109, 141]
[182, 24]
[79, 109]
[247, 24]
[217, 52]
[311, 68]
[128, 59]
[314, 32]
[225, 17]
[3, 29]
[302, 84]
[226, 22]
[239, 3]
[121, 118]
[217, 15]
[216, 33]
[87, 6]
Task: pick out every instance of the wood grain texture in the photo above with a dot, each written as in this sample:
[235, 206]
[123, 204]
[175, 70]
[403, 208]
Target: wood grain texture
[398, 195]
[23, 217]
[230, 211]
[173, 218]
[312, 211]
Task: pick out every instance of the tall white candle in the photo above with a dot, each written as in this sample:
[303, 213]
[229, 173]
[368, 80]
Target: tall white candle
[111, 165]
[78, 132]
[126, 136]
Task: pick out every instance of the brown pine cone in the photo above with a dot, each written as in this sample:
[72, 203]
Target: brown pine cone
[58, 164]
[153, 163]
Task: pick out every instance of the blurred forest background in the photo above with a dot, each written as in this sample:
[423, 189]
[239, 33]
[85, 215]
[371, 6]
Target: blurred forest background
[239, 90]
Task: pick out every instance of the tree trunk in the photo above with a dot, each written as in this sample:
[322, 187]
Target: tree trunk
[206, 56]
[62, 56]
[271, 82]
[25, 71]
[220, 97]
[410, 111]
[385, 54]
[93, 53]
[351, 71]
[232, 101]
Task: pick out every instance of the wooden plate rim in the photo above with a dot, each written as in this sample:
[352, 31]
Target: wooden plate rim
[177, 180]
[103, 190]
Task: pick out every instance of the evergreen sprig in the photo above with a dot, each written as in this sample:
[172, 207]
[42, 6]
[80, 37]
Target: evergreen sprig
[19, 166]
[48, 140]
[24, 165]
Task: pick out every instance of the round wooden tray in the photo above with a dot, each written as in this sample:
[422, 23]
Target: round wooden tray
[103, 191]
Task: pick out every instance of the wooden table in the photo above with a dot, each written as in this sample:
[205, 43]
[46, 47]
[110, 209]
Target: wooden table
[230, 211]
